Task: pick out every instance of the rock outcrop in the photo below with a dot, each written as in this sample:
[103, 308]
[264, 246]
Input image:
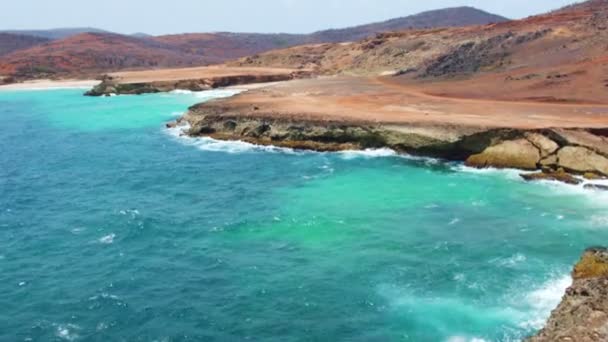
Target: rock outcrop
[111, 85]
[550, 175]
[582, 315]
[520, 154]
[501, 148]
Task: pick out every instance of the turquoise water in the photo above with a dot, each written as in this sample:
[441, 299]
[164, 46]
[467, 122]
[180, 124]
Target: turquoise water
[115, 229]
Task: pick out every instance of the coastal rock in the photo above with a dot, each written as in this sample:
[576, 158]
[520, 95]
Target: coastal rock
[582, 315]
[115, 85]
[582, 160]
[559, 175]
[521, 154]
[545, 145]
[600, 187]
[583, 138]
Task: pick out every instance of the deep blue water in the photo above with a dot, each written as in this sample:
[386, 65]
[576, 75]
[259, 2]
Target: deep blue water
[113, 229]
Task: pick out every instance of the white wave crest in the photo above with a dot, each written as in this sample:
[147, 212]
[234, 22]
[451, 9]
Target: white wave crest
[511, 261]
[544, 299]
[226, 146]
[108, 239]
[464, 339]
[67, 332]
[513, 174]
[368, 153]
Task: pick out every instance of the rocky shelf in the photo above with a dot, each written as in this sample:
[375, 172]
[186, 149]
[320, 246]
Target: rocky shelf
[193, 79]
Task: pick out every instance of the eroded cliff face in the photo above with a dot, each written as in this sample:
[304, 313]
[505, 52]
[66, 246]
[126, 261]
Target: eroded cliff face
[558, 153]
[582, 315]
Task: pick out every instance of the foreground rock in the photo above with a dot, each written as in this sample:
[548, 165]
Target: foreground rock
[582, 315]
[358, 113]
[193, 79]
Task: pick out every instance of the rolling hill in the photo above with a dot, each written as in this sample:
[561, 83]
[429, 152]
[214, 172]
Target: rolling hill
[91, 53]
[14, 42]
[58, 33]
[560, 56]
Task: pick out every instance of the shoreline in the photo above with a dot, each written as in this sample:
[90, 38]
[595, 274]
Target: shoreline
[217, 144]
[345, 113]
[50, 84]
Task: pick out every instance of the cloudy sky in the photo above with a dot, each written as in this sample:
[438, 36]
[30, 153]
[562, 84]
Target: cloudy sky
[294, 16]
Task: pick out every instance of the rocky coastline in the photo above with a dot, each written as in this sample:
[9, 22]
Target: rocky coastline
[112, 85]
[582, 315]
[556, 153]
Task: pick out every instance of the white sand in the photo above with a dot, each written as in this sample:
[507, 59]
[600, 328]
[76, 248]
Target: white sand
[50, 84]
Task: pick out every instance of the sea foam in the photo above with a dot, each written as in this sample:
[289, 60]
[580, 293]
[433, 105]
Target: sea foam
[543, 300]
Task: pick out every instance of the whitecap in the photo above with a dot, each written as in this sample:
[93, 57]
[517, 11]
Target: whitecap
[454, 221]
[108, 239]
[543, 300]
[600, 221]
[67, 332]
[368, 153]
[226, 146]
[511, 261]
[464, 339]
[459, 277]
[512, 174]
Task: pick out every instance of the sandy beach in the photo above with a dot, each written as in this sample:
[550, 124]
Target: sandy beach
[50, 84]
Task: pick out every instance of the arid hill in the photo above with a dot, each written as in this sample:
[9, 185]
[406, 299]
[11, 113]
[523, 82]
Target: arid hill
[89, 53]
[561, 56]
[93, 53]
[13, 42]
[57, 33]
[448, 17]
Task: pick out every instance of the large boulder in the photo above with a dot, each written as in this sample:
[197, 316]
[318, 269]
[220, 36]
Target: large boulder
[519, 153]
[545, 145]
[582, 315]
[582, 160]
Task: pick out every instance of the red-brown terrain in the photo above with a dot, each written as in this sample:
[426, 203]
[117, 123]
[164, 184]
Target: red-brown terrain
[561, 56]
[13, 42]
[89, 54]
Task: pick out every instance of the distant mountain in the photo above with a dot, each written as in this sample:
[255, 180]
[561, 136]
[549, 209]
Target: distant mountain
[13, 42]
[448, 17]
[86, 51]
[92, 53]
[559, 56]
[59, 33]
[140, 35]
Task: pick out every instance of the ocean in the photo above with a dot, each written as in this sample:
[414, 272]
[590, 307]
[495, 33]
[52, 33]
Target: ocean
[114, 228]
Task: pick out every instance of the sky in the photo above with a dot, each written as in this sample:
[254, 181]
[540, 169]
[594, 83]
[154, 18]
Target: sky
[264, 16]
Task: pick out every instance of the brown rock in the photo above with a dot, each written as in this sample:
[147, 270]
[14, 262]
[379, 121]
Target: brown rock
[549, 161]
[582, 160]
[592, 176]
[559, 175]
[544, 144]
[582, 315]
[600, 187]
[520, 154]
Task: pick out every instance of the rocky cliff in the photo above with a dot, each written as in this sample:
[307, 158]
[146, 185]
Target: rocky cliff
[582, 315]
[554, 151]
[355, 113]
